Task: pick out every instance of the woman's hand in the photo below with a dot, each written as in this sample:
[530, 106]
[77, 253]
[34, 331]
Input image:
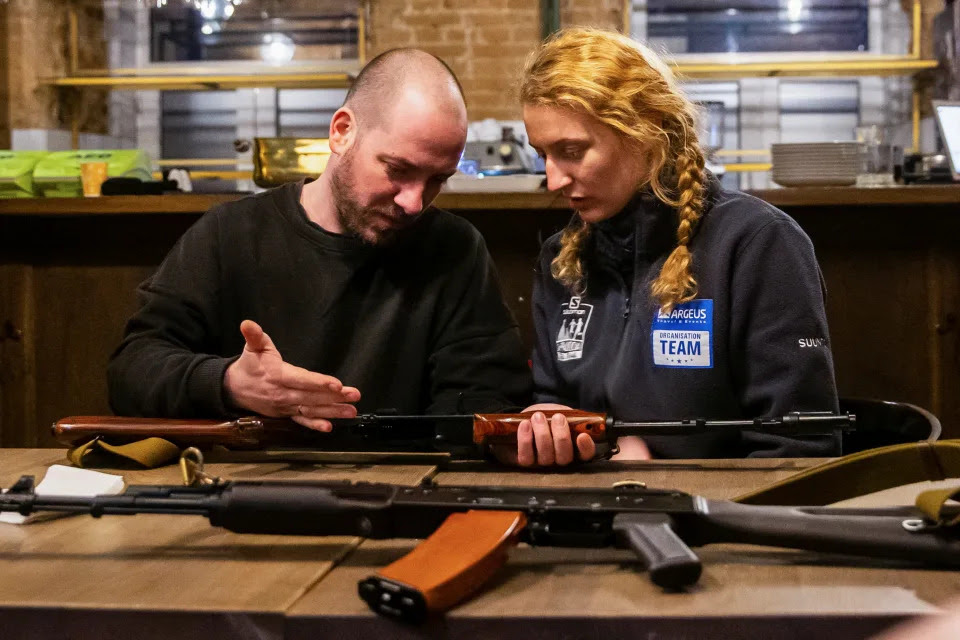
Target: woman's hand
[545, 440]
[632, 448]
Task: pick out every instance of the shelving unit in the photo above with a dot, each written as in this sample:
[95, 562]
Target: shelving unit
[212, 76]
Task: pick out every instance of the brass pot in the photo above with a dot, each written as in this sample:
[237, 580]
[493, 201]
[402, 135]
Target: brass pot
[280, 160]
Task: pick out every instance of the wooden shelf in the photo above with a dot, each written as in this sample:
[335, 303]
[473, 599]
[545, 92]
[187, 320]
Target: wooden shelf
[853, 197]
[737, 67]
[210, 82]
[842, 66]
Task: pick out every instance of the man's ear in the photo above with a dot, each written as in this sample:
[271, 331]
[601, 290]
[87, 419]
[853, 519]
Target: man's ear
[343, 130]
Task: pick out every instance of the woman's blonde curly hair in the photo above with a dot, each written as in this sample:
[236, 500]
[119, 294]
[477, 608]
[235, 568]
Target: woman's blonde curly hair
[630, 89]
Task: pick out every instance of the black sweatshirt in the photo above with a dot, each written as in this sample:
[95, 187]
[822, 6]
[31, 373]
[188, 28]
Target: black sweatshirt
[419, 326]
[754, 343]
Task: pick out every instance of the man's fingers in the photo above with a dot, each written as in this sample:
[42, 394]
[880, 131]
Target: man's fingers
[543, 438]
[317, 424]
[316, 398]
[326, 411]
[562, 442]
[256, 338]
[525, 452]
[586, 446]
[350, 394]
[294, 377]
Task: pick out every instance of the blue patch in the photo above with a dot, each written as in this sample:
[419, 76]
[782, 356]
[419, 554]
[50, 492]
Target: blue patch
[684, 337]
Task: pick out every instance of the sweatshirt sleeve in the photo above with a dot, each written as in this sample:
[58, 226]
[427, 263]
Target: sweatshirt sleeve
[779, 337]
[165, 365]
[478, 363]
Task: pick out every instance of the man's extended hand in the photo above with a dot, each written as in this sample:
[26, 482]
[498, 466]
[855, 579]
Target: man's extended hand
[263, 383]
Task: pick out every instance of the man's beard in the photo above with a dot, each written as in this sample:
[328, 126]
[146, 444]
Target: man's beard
[354, 218]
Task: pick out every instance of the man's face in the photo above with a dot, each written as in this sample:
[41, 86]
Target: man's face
[392, 172]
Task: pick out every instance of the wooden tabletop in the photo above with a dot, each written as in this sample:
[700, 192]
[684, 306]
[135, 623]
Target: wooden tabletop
[166, 576]
[173, 576]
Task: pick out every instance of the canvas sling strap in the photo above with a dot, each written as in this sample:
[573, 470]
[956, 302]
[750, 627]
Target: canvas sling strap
[861, 473]
[933, 504]
[148, 453]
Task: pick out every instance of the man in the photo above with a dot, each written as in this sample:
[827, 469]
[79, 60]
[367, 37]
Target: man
[315, 299]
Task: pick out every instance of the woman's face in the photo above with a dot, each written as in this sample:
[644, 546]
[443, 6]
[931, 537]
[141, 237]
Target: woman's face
[586, 160]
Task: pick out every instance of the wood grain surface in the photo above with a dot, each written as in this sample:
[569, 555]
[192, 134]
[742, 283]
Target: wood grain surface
[131, 569]
[745, 591]
[168, 576]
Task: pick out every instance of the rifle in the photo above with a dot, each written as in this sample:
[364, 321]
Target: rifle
[462, 436]
[470, 529]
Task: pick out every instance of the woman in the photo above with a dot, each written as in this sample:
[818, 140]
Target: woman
[666, 297]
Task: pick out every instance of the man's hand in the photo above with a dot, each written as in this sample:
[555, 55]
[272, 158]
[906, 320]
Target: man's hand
[545, 440]
[263, 383]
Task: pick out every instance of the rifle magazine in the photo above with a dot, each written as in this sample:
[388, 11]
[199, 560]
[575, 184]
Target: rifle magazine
[455, 561]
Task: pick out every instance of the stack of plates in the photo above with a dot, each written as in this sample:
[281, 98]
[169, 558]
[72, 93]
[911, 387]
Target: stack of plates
[803, 164]
[511, 183]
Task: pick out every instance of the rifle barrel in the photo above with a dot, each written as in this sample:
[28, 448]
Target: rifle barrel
[789, 425]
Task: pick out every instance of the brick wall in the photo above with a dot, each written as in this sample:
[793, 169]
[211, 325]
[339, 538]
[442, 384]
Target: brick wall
[484, 41]
[29, 33]
[35, 48]
[605, 14]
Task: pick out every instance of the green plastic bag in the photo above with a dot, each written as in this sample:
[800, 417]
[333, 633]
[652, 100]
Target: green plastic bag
[16, 173]
[58, 174]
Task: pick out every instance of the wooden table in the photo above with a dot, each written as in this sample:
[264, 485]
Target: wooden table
[155, 576]
[168, 576]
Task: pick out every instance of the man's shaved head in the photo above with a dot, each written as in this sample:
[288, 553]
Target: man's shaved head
[397, 138]
[383, 81]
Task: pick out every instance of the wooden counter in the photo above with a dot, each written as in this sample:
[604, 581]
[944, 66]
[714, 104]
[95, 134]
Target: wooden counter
[161, 576]
[69, 267]
[533, 201]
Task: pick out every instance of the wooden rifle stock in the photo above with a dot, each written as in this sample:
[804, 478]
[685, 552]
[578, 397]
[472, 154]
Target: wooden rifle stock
[251, 432]
[490, 428]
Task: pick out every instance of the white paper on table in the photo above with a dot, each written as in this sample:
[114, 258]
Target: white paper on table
[61, 480]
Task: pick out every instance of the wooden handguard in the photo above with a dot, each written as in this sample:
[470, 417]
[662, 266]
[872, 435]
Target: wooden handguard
[243, 433]
[455, 561]
[490, 427]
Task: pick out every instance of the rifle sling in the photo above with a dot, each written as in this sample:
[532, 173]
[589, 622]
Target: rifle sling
[148, 453]
[933, 505]
[861, 473]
